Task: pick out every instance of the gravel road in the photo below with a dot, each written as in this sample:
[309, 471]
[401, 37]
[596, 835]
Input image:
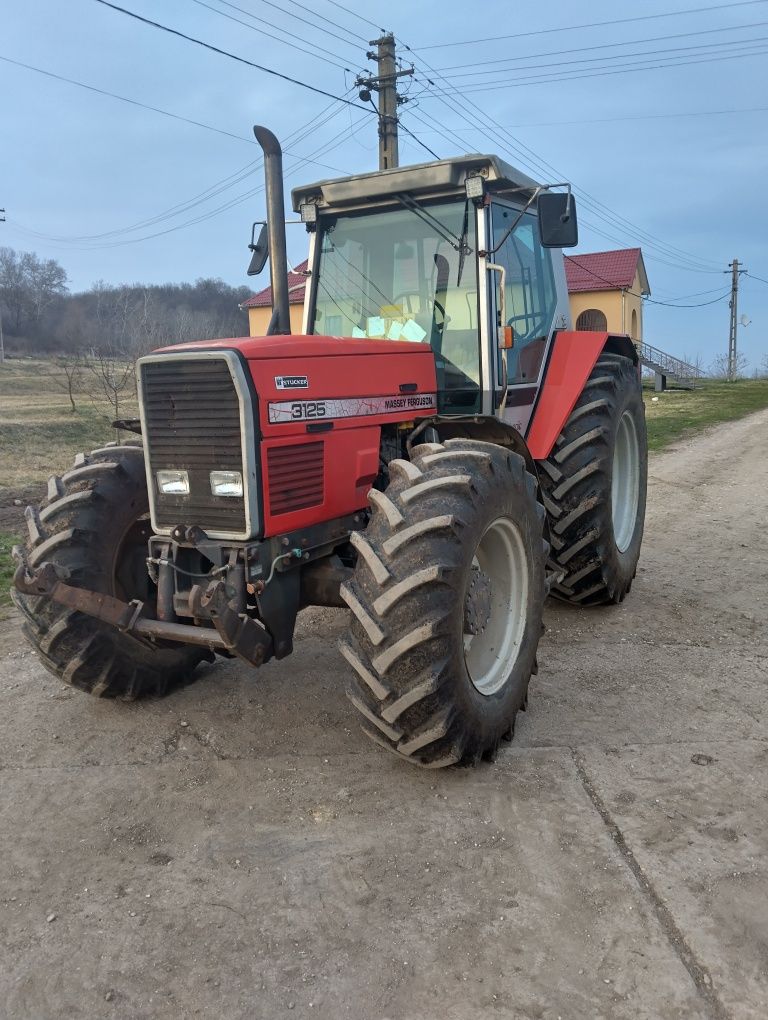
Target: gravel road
[240, 850]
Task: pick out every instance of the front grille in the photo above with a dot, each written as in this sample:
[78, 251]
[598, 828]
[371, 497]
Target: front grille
[192, 421]
[295, 477]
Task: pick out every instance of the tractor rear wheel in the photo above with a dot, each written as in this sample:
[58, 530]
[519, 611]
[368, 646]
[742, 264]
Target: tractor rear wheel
[95, 524]
[593, 484]
[446, 603]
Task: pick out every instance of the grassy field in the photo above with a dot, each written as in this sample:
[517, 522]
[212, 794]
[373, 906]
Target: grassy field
[40, 435]
[680, 413]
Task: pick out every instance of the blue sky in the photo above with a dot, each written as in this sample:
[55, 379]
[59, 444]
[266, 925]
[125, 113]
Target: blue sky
[670, 172]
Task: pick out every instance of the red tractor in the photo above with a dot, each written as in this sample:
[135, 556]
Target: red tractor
[437, 451]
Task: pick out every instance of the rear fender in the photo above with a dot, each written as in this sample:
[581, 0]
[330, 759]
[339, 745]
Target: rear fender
[574, 354]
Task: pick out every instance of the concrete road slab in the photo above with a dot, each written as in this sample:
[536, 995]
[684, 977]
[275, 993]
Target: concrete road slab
[694, 819]
[346, 887]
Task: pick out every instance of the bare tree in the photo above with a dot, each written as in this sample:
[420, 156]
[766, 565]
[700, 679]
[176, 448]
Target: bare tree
[696, 361]
[720, 366]
[67, 376]
[113, 379]
[28, 285]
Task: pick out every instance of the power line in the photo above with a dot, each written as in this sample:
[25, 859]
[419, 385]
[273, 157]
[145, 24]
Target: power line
[463, 109]
[601, 46]
[262, 31]
[674, 50]
[125, 99]
[354, 14]
[153, 109]
[648, 300]
[236, 200]
[447, 132]
[320, 17]
[753, 277]
[226, 53]
[616, 120]
[594, 24]
[295, 137]
[418, 140]
[298, 135]
[551, 78]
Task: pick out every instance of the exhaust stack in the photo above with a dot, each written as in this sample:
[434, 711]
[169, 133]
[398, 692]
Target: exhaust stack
[278, 259]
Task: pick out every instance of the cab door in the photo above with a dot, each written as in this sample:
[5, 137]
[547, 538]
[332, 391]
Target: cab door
[534, 305]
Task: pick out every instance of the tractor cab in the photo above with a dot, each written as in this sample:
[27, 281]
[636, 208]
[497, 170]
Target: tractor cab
[451, 254]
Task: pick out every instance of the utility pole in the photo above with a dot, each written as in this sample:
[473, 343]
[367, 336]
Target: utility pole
[733, 305]
[385, 83]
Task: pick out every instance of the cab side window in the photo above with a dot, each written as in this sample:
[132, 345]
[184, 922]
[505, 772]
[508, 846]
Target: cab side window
[531, 298]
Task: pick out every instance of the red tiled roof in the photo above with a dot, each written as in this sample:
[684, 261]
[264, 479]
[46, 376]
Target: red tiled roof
[296, 286]
[602, 270]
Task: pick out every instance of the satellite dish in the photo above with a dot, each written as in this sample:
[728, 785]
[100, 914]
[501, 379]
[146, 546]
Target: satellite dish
[744, 320]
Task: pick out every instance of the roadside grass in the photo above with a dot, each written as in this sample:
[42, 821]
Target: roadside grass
[39, 432]
[678, 414]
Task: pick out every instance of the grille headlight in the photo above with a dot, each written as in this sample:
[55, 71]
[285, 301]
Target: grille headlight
[226, 483]
[173, 483]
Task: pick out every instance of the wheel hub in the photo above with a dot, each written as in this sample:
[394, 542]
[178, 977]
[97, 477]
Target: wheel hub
[477, 605]
[625, 483]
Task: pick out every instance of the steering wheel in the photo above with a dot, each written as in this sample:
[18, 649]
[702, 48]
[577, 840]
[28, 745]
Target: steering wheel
[430, 305]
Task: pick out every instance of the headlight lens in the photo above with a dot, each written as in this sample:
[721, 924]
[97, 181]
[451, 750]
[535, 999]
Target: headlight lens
[226, 483]
[173, 483]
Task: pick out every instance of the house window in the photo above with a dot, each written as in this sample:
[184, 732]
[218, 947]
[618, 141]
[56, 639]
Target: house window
[592, 320]
[333, 325]
[635, 335]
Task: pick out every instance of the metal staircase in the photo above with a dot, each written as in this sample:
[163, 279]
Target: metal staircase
[667, 368]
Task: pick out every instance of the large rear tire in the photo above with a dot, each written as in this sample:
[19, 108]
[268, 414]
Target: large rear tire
[446, 603]
[594, 486]
[95, 524]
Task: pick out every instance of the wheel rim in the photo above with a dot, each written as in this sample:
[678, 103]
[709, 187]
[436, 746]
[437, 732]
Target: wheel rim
[490, 654]
[625, 484]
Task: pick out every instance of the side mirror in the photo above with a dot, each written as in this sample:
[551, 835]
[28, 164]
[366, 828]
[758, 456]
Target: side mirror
[260, 249]
[557, 220]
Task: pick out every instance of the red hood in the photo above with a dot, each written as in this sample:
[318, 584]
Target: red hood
[299, 346]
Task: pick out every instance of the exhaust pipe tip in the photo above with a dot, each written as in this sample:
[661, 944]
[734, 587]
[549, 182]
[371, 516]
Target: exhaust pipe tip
[278, 257]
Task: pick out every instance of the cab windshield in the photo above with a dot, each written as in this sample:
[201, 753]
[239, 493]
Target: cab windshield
[406, 274]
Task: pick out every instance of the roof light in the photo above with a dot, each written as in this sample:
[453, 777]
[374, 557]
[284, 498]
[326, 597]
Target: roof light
[474, 186]
[308, 212]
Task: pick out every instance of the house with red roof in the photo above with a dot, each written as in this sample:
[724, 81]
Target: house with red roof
[259, 307]
[606, 290]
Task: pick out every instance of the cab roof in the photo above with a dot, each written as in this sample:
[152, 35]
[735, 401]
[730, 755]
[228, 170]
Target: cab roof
[444, 177]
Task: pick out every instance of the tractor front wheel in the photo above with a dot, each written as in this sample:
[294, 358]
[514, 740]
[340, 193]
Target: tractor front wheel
[95, 524]
[446, 603]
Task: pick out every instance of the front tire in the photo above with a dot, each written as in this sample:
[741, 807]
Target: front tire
[94, 523]
[446, 603]
[594, 487]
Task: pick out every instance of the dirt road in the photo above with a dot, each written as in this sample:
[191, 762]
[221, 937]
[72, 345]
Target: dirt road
[240, 850]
